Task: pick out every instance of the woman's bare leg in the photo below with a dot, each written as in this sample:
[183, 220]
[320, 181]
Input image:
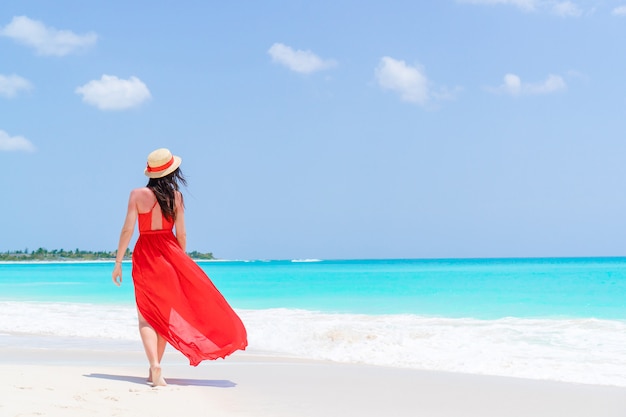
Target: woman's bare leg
[161, 345]
[154, 345]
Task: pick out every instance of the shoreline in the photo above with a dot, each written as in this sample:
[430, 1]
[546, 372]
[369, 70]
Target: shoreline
[29, 348]
[538, 350]
[87, 382]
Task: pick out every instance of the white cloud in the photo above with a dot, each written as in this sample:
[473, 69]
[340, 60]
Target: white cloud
[410, 82]
[567, 9]
[619, 11]
[559, 8]
[526, 5]
[305, 62]
[10, 85]
[552, 84]
[46, 40]
[112, 93]
[15, 143]
[514, 86]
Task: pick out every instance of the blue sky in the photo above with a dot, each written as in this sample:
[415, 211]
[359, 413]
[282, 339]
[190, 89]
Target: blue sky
[326, 129]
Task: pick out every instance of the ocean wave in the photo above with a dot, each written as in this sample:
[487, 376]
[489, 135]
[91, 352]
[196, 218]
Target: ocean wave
[574, 350]
[305, 260]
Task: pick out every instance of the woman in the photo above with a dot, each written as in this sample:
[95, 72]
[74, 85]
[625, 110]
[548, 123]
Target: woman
[176, 301]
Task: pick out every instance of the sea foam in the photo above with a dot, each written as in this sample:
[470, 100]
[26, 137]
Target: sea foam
[574, 350]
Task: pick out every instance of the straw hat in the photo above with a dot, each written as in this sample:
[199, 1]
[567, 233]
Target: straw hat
[161, 163]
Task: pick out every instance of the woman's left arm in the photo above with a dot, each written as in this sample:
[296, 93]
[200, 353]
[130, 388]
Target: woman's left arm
[181, 232]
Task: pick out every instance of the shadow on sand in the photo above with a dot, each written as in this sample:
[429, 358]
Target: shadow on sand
[170, 381]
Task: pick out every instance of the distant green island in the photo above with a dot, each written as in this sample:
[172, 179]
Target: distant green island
[42, 254]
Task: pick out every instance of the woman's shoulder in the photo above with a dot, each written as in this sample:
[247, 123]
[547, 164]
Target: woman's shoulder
[141, 191]
[142, 194]
[142, 198]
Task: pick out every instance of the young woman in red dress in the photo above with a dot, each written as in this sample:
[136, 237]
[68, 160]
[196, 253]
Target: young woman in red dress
[176, 301]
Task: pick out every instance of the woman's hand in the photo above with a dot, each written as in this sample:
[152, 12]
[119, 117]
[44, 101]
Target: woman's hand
[117, 274]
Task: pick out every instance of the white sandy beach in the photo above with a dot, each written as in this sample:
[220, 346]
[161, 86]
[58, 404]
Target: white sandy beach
[105, 381]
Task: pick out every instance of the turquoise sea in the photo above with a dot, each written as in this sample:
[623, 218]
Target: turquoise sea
[552, 318]
[478, 288]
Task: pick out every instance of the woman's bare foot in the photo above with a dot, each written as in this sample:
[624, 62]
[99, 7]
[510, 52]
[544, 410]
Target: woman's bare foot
[149, 380]
[157, 378]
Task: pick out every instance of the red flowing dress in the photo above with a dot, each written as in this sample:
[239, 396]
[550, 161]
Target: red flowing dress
[178, 299]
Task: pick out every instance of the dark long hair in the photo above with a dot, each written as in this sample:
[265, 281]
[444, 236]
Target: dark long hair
[164, 189]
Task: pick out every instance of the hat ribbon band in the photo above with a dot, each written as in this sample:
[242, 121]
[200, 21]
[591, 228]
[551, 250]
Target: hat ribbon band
[162, 167]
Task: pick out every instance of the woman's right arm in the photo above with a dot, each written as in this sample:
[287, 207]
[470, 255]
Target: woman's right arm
[125, 236]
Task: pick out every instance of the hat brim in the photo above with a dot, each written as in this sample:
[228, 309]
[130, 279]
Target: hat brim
[165, 172]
